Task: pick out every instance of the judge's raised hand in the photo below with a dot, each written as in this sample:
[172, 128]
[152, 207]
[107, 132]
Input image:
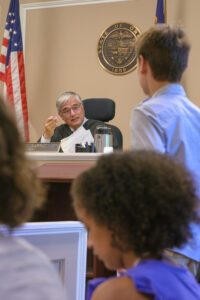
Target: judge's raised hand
[50, 125]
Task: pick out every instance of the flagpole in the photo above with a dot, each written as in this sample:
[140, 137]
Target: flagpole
[165, 11]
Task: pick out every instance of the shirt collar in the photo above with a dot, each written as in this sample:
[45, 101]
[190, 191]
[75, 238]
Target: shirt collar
[171, 88]
[84, 121]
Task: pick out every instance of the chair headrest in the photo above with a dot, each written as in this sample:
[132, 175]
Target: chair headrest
[102, 109]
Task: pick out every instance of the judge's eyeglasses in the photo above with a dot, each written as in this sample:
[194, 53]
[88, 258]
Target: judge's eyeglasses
[75, 108]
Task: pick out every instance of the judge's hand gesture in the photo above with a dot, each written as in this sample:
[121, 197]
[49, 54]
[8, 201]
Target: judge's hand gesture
[50, 125]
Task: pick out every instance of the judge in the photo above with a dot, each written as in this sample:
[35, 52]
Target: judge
[71, 111]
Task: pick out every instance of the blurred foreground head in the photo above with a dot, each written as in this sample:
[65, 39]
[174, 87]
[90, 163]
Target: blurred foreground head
[145, 199]
[21, 192]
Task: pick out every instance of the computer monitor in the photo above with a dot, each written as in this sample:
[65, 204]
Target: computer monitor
[65, 243]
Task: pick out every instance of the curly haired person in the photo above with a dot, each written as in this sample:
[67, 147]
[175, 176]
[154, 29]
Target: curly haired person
[25, 272]
[134, 206]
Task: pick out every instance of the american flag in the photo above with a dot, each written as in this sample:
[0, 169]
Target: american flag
[12, 68]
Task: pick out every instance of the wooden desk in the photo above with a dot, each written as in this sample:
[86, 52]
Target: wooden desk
[40, 158]
[65, 172]
[58, 178]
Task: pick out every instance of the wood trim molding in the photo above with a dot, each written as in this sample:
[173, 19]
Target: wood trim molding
[40, 5]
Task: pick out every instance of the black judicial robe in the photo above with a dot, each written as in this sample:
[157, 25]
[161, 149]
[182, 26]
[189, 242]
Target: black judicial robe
[63, 131]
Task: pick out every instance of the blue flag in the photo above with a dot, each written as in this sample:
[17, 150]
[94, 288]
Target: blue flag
[160, 17]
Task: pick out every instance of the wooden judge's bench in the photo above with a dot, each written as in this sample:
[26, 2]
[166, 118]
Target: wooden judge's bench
[57, 171]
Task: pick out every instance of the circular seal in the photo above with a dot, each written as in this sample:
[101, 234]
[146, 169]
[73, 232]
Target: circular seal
[116, 50]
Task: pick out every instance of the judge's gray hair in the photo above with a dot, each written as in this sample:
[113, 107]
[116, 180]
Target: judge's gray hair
[65, 97]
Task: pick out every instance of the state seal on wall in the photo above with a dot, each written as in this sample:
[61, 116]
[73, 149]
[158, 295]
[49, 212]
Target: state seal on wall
[116, 48]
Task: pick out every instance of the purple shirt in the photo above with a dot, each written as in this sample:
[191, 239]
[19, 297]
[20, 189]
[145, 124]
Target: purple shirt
[159, 279]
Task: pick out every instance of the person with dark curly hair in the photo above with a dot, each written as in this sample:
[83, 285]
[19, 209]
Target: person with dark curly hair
[25, 272]
[134, 206]
[167, 121]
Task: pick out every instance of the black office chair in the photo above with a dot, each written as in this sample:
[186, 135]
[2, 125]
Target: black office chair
[102, 109]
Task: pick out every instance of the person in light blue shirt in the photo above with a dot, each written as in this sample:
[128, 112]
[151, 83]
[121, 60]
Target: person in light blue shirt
[167, 121]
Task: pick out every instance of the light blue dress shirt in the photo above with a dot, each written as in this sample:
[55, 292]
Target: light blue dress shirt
[169, 122]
